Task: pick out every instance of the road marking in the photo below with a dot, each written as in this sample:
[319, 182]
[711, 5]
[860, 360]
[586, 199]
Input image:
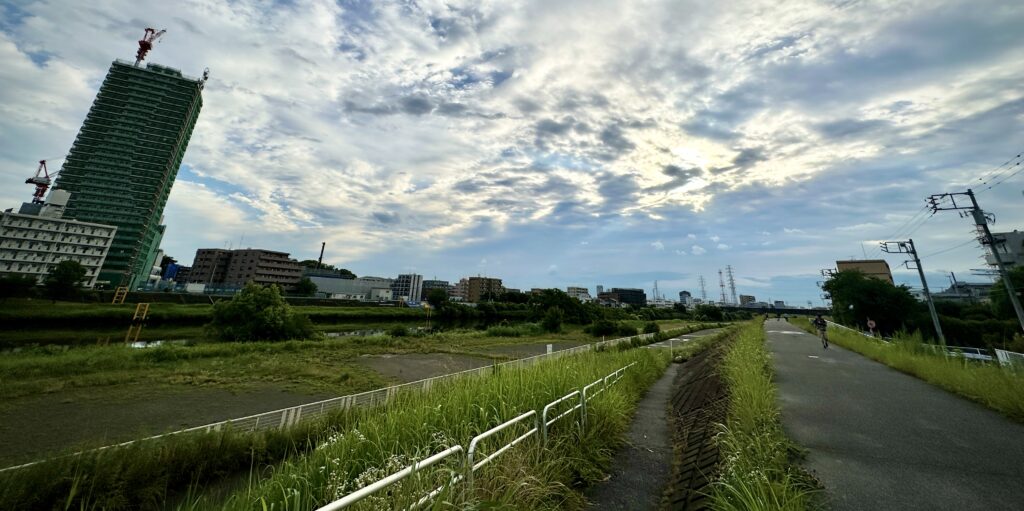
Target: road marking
[787, 332]
[812, 356]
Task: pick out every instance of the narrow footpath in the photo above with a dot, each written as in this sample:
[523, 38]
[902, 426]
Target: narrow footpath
[880, 439]
[642, 468]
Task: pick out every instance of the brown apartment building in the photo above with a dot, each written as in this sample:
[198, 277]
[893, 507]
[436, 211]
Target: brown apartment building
[875, 268]
[219, 268]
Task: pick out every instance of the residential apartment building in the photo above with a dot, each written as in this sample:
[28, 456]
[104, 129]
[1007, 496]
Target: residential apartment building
[232, 269]
[475, 289]
[429, 285]
[408, 287]
[123, 162]
[580, 293]
[626, 296]
[36, 238]
[874, 268]
[746, 299]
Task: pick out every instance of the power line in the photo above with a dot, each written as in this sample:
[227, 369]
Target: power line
[950, 249]
[988, 176]
[1003, 180]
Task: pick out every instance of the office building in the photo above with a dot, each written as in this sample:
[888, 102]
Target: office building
[123, 163]
[429, 285]
[407, 287]
[685, 298]
[38, 237]
[747, 299]
[874, 268]
[779, 304]
[627, 296]
[361, 288]
[580, 293]
[233, 269]
[600, 289]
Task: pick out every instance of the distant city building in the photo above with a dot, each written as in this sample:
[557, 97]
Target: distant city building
[232, 269]
[125, 158]
[661, 303]
[779, 304]
[1011, 249]
[476, 288]
[628, 296]
[513, 290]
[965, 292]
[685, 298]
[36, 238]
[580, 293]
[600, 289]
[408, 287]
[874, 268]
[362, 288]
[429, 285]
[745, 299]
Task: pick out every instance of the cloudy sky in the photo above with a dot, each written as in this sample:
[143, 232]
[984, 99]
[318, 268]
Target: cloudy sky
[555, 143]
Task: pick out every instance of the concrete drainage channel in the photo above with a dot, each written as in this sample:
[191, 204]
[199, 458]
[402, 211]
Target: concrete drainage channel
[537, 423]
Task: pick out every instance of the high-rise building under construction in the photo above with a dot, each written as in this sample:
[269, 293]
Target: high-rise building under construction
[123, 162]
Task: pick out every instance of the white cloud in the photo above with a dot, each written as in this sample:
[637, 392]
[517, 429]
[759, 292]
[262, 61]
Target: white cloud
[697, 250]
[723, 246]
[691, 236]
[715, 239]
[658, 245]
[792, 231]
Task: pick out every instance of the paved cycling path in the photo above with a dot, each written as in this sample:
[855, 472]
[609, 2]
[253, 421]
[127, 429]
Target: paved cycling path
[880, 439]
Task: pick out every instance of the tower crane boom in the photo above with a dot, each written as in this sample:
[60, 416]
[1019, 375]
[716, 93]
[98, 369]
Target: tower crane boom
[146, 44]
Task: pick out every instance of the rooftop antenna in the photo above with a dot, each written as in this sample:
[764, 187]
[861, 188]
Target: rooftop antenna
[146, 44]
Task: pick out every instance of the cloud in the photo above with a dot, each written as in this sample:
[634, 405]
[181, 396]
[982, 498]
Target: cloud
[658, 245]
[697, 250]
[714, 238]
[723, 246]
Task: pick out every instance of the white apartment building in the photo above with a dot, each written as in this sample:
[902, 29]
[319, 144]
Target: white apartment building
[580, 293]
[36, 238]
[408, 287]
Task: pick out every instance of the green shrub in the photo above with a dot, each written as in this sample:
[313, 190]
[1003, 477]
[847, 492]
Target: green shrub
[625, 330]
[258, 313]
[652, 328]
[553, 319]
[601, 328]
[398, 331]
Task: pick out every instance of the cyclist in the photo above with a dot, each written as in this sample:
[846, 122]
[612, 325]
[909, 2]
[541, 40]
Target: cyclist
[822, 327]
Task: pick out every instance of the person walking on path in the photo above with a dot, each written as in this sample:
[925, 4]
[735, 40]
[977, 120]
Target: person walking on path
[822, 327]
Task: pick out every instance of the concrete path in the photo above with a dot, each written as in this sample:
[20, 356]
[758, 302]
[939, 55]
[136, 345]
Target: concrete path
[683, 339]
[642, 468]
[880, 439]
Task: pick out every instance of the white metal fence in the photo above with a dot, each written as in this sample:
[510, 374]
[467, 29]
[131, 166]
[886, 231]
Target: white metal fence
[286, 417]
[1010, 359]
[470, 463]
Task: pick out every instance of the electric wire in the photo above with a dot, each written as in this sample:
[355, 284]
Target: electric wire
[950, 249]
[990, 175]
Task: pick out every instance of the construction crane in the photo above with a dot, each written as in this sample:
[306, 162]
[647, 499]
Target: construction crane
[146, 44]
[42, 182]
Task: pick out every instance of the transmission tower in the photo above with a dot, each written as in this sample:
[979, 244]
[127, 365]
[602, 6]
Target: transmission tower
[703, 290]
[732, 284]
[721, 285]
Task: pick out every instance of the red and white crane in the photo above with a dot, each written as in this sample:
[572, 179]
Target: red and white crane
[146, 44]
[42, 181]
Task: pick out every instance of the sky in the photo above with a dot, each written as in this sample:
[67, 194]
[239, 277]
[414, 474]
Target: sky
[557, 143]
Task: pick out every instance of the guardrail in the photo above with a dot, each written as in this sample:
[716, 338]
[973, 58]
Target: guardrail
[470, 465]
[286, 417]
[1005, 358]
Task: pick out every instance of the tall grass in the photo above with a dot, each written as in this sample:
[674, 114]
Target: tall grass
[757, 472]
[998, 388]
[529, 476]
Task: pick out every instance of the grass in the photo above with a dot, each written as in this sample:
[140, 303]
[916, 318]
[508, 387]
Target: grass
[313, 462]
[758, 471]
[986, 383]
[529, 476]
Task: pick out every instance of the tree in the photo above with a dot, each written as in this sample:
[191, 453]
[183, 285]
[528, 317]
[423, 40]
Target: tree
[552, 321]
[305, 287]
[857, 297]
[312, 263]
[1001, 304]
[652, 328]
[64, 279]
[258, 313]
[707, 313]
[437, 297]
[16, 286]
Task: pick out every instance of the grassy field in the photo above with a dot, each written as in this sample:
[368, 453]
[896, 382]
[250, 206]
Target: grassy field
[758, 470]
[987, 383]
[190, 470]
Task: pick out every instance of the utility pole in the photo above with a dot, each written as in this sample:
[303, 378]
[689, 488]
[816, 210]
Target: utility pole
[732, 283]
[907, 247]
[981, 220]
[703, 290]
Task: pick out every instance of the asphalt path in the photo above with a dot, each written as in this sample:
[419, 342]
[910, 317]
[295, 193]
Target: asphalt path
[683, 339]
[880, 439]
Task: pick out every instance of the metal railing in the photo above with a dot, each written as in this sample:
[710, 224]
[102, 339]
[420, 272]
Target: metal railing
[1003, 357]
[470, 464]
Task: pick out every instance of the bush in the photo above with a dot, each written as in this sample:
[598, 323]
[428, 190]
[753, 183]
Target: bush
[63, 281]
[258, 313]
[625, 330]
[553, 319]
[398, 331]
[16, 286]
[651, 328]
[601, 327]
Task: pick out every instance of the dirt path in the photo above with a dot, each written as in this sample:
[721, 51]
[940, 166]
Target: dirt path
[642, 468]
[38, 426]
